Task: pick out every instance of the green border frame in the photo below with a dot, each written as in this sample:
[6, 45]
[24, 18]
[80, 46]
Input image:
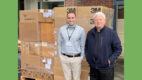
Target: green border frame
[8, 39]
[133, 40]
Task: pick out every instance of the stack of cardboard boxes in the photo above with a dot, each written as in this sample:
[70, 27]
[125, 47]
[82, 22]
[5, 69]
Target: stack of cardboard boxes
[36, 29]
[39, 35]
[84, 18]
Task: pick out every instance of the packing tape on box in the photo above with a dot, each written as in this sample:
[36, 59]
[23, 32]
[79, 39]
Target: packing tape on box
[42, 10]
[44, 44]
[49, 61]
[55, 52]
[47, 66]
[55, 42]
[36, 44]
[44, 60]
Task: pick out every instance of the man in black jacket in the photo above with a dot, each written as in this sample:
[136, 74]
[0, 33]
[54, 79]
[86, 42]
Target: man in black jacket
[102, 48]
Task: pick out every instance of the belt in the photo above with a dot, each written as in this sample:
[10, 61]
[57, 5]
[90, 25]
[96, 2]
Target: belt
[76, 55]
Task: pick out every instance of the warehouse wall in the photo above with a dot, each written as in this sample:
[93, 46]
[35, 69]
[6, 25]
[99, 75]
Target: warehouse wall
[107, 3]
[30, 4]
[120, 31]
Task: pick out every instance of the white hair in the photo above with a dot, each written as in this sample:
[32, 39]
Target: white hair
[99, 13]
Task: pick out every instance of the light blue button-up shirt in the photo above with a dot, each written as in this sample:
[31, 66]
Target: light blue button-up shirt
[77, 40]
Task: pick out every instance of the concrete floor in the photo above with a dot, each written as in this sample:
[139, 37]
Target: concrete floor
[119, 69]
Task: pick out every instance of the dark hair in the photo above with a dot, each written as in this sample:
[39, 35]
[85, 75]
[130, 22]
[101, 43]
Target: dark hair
[71, 12]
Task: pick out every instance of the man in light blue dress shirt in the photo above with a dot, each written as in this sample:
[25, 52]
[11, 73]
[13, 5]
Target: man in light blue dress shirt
[71, 41]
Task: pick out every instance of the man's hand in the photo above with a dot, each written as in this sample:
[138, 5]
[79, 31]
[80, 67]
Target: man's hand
[109, 62]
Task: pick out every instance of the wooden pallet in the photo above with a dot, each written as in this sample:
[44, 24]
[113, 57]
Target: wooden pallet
[27, 74]
[33, 77]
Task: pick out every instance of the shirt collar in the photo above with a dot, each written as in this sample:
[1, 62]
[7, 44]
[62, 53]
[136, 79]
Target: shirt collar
[99, 30]
[73, 26]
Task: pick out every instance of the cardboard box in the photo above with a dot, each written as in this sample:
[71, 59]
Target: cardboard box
[28, 60]
[84, 75]
[47, 32]
[47, 63]
[35, 16]
[34, 31]
[43, 18]
[61, 12]
[84, 16]
[57, 61]
[58, 72]
[25, 48]
[88, 11]
[58, 77]
[47, 49]
[35, 48]
[29, 31]
[29, 16]
[31, 48]
[61, 15]
[60, 22]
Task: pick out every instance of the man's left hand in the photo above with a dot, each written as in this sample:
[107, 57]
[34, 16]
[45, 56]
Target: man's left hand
[109, 62]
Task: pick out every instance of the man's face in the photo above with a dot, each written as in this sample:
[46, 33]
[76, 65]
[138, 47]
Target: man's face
[71, 18]
[99, 21]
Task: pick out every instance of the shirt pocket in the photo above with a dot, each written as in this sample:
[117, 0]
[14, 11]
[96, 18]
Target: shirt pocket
[76, 37]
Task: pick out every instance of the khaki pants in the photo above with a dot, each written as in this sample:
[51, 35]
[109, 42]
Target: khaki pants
[71, 67]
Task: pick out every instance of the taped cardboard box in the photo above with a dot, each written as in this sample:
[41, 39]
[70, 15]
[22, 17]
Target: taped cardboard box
[25, 48]
[27, 60]
[36, 16]
[29, 16]
[85, 69]
[47, 63]
[29, 31]
[31, 48]
[60, 22]
[57, 61]
[44, 17]
[58, 77]
[61, 12]
[88, 11]
[58, 72]
[84, 75]
[35, 48]
[84, 16]
[85, 23]
[47, 32]
[34, 31]
[47, 49]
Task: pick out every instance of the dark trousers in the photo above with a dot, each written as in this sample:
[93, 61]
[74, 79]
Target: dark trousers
[101, 74]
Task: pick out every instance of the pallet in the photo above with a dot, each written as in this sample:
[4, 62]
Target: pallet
[27, 74]
[34, 78]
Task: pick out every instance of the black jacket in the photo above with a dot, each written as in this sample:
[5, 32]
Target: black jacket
[101, 47]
